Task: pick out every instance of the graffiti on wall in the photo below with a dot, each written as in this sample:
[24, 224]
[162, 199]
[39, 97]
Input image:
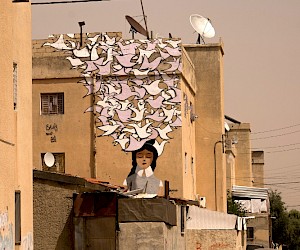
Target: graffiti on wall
[51, 129]
[136, 85]
[27, 242]
[6, 232]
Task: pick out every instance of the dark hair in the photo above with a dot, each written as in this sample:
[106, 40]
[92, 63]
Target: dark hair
[148, 146]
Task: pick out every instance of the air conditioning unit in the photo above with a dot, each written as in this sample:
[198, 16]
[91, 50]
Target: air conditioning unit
[202, 201]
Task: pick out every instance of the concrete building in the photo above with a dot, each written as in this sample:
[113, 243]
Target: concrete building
[16, 226]
[245, 181]
[77, 138]
[209, 106]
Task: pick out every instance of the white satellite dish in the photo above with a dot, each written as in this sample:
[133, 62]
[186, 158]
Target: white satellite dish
[202, 26]
[227, 128]
[49, 159]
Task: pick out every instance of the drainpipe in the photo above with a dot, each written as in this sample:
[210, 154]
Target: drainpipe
[94, 149]
[215, 163]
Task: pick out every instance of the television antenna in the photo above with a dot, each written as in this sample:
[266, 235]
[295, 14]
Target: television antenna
[202, 26]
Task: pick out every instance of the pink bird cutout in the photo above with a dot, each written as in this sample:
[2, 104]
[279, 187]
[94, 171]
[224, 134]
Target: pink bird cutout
[176, 123]
[156, 103]
[150, 65]
[128, 48]
[173, 52]
[140, 91]
[90, 66]
[125, 60]
[105, 69]
[124, 115]
[177, 97]
[125, 93]
[134, 144]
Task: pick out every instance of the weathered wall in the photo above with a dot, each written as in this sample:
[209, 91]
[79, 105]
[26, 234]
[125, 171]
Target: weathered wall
[52, 221]
[258, 168]
[243, 171]
[261, 226]
[15, 124]
[209, 106]
[214, 239]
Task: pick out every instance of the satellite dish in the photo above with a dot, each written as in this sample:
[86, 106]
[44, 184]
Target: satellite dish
[202, 26]
[136, 27]
[227, 128]
[49, 159]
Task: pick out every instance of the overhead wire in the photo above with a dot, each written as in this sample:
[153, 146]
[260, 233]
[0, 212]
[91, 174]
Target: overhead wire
[272, 130]
[65, 2]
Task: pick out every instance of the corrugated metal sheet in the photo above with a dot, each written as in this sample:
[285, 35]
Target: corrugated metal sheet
[200, 218]
[250, 192]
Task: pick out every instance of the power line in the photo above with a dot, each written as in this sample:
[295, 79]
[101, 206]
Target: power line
[272, 136]
[63, 2]
[282, 183]
[277, 129]
[280, 146]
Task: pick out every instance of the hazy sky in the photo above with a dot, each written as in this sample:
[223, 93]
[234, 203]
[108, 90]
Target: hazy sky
[262, 69]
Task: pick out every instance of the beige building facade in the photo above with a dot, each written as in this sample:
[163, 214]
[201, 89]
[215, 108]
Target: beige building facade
[16, 209]
[209, 106]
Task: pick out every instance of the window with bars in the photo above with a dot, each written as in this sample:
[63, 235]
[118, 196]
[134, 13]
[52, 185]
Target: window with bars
[15, 84]
[52, 104]
[59, 164]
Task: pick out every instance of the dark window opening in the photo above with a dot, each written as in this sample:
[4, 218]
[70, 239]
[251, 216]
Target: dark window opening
[17, 217]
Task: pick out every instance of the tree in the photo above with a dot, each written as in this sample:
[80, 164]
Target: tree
[234, 207]
[279, 217]
[294, 229]
[285, 225]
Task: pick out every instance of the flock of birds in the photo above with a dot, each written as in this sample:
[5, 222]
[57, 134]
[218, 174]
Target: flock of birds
[135, 84]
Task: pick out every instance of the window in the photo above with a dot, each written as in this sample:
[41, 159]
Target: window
[52, 104]
[250, 233]
[15, 84]
[59, 164]
[17, 217]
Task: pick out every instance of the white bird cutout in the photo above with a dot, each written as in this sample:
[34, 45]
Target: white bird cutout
[163, 132]
[110, 41]
[109, 129]
[59, 44]
[169, 114]
[84, 52]
[174, 44]
[139, 114]
[141, 131]
[122, 141]
[94, 39]
[159, 147]
[153, 88]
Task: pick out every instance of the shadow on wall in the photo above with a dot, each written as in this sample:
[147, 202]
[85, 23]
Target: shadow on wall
[65, 239]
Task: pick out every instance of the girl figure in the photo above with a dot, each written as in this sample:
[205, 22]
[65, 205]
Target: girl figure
[142, 171]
